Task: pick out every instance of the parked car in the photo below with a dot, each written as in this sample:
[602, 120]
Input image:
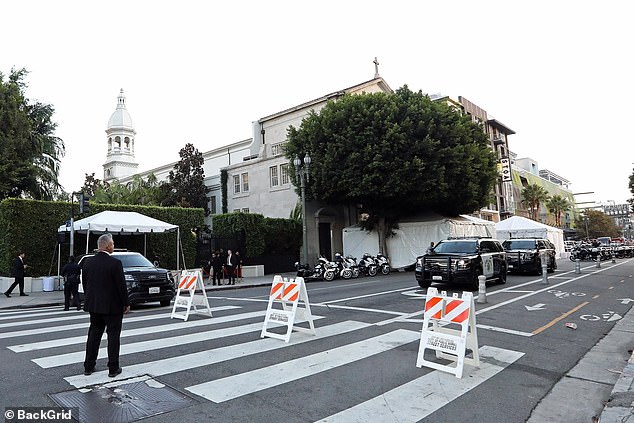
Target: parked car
[146, 282]
[525, 255]
[462, 260]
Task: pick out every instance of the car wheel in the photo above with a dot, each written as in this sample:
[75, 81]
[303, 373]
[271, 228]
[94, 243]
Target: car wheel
[165, 303]
[424, 284]
[475, 283]
[552, 267]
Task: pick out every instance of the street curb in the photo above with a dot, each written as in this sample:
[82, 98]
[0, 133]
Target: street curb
[620, 406]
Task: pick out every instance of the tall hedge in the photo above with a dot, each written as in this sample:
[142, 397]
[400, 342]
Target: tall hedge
[263, 235]
[32, 226]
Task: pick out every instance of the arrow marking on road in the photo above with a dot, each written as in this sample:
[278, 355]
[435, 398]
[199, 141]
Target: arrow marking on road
[539, 306]
[614, 317]
[625, 300]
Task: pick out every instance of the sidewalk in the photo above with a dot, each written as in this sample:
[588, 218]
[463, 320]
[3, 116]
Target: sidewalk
[56, 298]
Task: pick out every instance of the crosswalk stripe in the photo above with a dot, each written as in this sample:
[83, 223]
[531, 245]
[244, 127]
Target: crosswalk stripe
[419, 398]
[24, 314]
[203, 358]
[61, 328]
[227, 388]
[154, 344]
[168, 327]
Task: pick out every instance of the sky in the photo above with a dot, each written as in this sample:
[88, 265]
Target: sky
[558, 73]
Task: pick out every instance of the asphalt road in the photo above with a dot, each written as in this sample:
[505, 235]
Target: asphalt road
[360, 365]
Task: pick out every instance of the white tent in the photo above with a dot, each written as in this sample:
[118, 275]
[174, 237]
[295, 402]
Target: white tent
[117, 222]
[521, 227]
[413, 238]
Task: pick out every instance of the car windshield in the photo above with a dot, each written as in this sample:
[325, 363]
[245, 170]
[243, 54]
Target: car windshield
[456, 247]
[133, 260]
[519, 244]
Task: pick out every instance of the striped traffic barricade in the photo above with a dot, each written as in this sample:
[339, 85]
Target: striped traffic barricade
[443, 315]
[284, 308]
[187, 301]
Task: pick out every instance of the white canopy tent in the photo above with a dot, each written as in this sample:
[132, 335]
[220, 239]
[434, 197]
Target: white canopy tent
[521, 227]
[412, 238]
[118, 222]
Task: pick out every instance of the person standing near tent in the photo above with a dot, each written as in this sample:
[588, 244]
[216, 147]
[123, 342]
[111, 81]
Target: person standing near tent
[71, 272]
[107, 301]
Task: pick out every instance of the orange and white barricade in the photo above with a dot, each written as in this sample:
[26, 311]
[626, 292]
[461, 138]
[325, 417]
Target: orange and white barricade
[442, 312]
[186, 297]
[287, 294]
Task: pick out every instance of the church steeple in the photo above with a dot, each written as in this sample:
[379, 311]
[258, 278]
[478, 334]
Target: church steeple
[120, 133]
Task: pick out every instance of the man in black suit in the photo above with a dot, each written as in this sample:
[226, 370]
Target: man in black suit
[107, 302]
[17, 272]
[230, 265]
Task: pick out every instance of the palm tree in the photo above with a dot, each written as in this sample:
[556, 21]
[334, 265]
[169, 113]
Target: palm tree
[532, 196]
[557, 205]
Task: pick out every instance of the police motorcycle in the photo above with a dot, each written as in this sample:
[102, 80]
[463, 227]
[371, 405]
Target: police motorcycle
[342, 267]
[351, 263]
[367, 265]
[383, 263]
[324, 269]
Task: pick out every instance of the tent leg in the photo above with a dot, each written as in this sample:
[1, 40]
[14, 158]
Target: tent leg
[178, 239]
[87, 238]
[145, 245]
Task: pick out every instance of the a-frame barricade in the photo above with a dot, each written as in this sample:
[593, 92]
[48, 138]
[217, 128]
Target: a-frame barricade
[442, 312]
[287, 294]
[187, 298]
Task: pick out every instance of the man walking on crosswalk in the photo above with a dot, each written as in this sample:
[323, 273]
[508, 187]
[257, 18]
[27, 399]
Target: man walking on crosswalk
[107, 301]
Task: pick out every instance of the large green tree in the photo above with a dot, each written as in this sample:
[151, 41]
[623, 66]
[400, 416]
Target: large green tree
[395, 155]
[186, 183]
[30, 153]
[593, 224]
[532, 197]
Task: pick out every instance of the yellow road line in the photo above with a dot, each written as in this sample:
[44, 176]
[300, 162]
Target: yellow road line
[563, 316]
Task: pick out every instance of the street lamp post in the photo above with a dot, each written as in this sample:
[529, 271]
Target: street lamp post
[302, 172]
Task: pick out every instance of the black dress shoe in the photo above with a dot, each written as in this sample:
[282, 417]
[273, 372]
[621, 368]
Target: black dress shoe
[88, 372]
[66, 309]
[7, 295]
[113, 373]
[24, 295]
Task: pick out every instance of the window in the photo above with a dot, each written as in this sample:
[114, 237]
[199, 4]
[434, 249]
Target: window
[277, 149]
[236, 184]
[241, 183]
[273, 176]
[245, 210]
[285, 180]
[212, 205]
[245, 182]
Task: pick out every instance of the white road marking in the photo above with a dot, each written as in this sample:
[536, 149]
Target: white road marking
[84, 325]
[154, 344]
[421, 397]
[187, 362]
[168, 327]
[231, 387]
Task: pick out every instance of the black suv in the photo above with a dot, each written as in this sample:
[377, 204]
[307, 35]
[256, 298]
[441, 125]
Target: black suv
[145, 282]
[525, 255]
[462, 260]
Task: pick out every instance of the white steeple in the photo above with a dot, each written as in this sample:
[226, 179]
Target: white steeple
[120, 134]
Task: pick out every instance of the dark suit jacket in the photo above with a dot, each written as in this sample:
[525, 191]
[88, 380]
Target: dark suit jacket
[104, 284]
[234, 260]
[17, 269]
